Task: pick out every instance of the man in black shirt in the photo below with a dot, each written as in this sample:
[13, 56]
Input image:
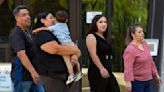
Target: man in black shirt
[22, 49]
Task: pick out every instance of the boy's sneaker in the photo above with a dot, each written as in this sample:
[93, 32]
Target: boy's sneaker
[70, 79]
[78, 76]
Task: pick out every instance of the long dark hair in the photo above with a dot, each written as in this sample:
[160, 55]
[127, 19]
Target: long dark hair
[131, 30]
[37, 20]
[93, 26]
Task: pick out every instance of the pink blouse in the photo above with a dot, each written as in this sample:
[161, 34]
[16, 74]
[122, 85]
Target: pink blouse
[138, 64]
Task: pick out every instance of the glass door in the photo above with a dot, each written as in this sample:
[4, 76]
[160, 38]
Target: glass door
[6, 24]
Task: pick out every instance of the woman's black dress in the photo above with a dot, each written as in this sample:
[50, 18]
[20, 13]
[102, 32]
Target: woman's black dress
[97, 82]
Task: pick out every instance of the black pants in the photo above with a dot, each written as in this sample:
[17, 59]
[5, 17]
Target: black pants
[58, 84]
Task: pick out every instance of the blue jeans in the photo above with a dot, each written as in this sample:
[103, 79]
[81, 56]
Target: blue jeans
[141, 86]
[22, 86]
[26, 86]
[38, 88]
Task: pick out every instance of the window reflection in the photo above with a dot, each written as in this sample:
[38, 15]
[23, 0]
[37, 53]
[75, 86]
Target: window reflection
[47, 6]
[6, 24]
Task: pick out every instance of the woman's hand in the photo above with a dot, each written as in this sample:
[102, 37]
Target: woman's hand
[158, 79]
[104, 73]
[128, 86]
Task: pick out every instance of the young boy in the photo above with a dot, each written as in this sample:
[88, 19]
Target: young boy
[61, 31]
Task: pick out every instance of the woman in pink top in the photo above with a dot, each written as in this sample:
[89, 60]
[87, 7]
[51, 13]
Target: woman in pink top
[139, 67]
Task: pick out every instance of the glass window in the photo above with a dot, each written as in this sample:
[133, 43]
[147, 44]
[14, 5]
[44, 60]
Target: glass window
[6, 24]
[47, 6]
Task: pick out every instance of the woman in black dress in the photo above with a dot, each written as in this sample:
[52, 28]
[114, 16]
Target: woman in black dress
[100, 74]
